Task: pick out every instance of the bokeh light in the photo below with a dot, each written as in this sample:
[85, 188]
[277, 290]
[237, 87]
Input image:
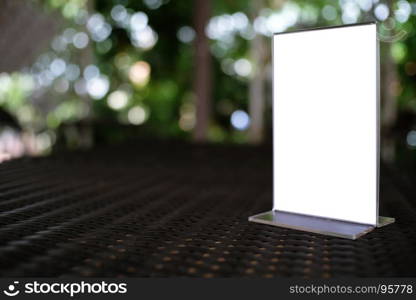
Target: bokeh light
[138, 21]
[119, 13]
[240, 120]
[329, 12]
[242, 67]
[145, 38]
[80, 40]
[153, 4]
[403, 12]
[97, 87]
[118, 99]
[58, 67]
[186, 34]
[381, 11]
[137, 115]
[98, 27]
[411, 138]
[187, 116]
[72, 72]
[139, 73]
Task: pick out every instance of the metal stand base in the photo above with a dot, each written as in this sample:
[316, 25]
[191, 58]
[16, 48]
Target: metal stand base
[342, 229]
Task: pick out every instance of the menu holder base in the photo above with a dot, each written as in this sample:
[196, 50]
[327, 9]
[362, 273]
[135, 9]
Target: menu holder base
[325, 226]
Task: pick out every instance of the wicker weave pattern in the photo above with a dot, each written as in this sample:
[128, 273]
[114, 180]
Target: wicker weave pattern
[178, 210]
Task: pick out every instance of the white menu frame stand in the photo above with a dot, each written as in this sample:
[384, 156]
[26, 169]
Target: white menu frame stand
[326, 82]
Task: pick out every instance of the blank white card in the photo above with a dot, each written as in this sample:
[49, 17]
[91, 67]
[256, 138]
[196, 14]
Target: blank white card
[325, 130]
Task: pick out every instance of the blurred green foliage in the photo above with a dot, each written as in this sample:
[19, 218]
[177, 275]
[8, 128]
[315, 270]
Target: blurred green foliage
[143, 51]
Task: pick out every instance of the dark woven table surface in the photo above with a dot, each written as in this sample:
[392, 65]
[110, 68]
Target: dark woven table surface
[178, 210]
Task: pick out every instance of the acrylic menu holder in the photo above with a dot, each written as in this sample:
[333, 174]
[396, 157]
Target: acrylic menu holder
[326, 131]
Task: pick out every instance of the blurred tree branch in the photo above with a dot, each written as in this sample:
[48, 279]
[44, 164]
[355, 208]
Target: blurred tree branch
[202, 79]
[257, 83]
